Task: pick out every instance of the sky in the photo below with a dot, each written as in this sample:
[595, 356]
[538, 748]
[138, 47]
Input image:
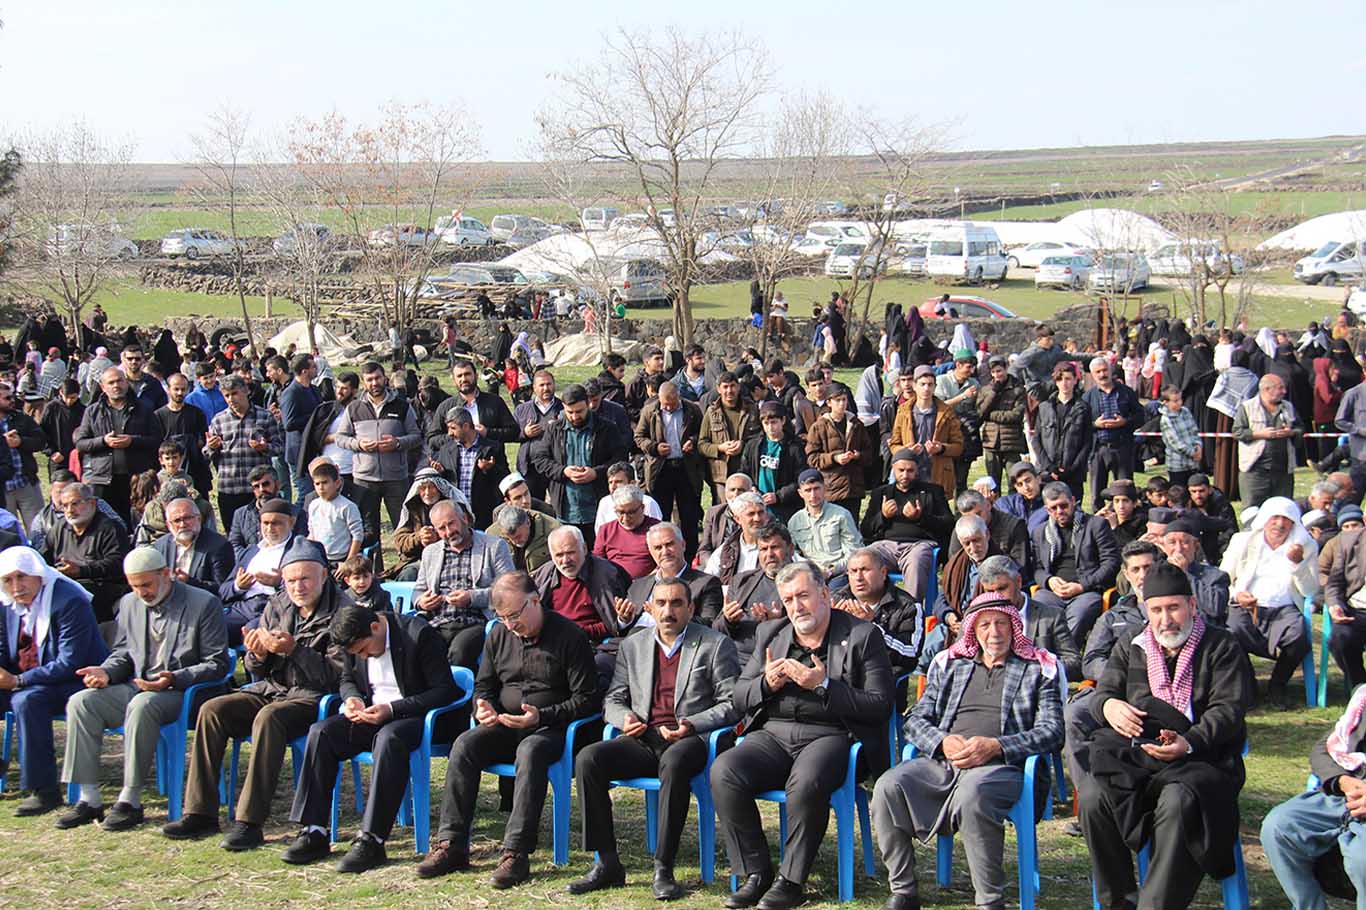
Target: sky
[1007, 75]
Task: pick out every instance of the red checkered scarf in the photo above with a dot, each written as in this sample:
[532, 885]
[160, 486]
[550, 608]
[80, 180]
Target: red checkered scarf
[968, 646]
[1175, 692]
[1342, 732]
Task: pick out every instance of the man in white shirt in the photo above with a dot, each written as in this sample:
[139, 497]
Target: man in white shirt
[740, 552]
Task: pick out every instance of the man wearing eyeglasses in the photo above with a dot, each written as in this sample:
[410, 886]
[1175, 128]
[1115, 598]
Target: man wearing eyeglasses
[536, 677]
[622, 542]
[1075, 557]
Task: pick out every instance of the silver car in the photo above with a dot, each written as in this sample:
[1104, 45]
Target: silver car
[1122, 272]
[1063, 272]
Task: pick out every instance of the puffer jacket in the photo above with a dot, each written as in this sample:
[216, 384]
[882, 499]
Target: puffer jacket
[824, 441]
[1064, 437]
[1002, 408]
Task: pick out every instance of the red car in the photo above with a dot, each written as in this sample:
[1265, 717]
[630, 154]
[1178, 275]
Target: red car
[967, 307]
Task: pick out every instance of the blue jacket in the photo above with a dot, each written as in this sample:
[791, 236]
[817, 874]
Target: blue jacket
[73, 639]
[1015, 504]
[210, 401]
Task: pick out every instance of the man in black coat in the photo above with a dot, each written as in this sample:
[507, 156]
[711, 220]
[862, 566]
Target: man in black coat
[393, 673]
[1221, 520]
[118, 439]
[319, 438]
[22, 437]
[906, 520]
[574, 454]
[492, 419]
[186, 424]
[197, 555]
[60, 419]
[817, 682]
[474, 465]
[1075, 559]
[775, 459]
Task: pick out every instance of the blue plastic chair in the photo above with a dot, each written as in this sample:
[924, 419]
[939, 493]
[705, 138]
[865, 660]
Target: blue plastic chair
[849, 799]
[227, 784]
[1026, 842]
[706, 807]
[416, 808]
[401, 593]
[561, 775]
[7, 753]
[1312, 687]
[1324, 656]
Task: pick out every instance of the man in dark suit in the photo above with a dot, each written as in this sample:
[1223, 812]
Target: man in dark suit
[817, 682]
[394, 671]
[1075, 559]
[47, 631]
[197, 555]
[665, 541]
[671, 689]
[667, 433]
[492, 419]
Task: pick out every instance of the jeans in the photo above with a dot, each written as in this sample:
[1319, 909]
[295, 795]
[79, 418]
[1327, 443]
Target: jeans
[1299, 831]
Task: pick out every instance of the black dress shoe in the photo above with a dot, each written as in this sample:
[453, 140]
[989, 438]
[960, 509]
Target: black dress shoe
[81, 814]
[750, 890]
[191, 826]
[123, 816]
[902, 902]
[39, 802]
[365, 854]
[244, 836]
[599, 877]
[783, 895]
[664, 886]
[308, 847]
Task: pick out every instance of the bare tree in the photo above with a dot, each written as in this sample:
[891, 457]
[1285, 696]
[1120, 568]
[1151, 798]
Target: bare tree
[220, 149]
[306, 253]
[72, 196]
[668, 108]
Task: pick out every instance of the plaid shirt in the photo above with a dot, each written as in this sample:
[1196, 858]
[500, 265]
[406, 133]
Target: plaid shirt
[237, 458]
[1180, 436]
[457, 572]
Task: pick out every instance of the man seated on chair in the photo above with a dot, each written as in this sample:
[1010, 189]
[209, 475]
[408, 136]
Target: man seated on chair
[817, 682]
[415, 531]
[1273, 568]
[89, 549]
[171, 636]
[256, 577]
[622, 542]
[738, 552]
[453, 581]
[1166, 766]
[671, 689]
[393, 672]
[622, 474]
[535, 679]
[527, 533]
[1298, 834]
[291, 658]
[1181, 543]
[667, 547]
[1045, 625]
[906, 520]
[719, 521]
[1075, 559]
[962, 573]
[868, 594]
[1345, 603]
[753, 597]
[991, 700]
[197, 555]
[584, 589]
[245, 529]
[824, 532]
[47, 630]
[1008, 533]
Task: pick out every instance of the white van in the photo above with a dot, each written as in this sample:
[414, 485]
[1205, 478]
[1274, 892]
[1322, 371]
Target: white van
[597, 218]
[1330, 262]
[964, 251]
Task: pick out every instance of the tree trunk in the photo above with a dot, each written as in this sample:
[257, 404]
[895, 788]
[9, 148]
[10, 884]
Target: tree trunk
[683, 321]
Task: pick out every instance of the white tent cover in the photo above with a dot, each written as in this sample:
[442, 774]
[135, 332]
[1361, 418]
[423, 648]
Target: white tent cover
[586, 350]
[1338, 227]
[1113, 229]
[336, 348]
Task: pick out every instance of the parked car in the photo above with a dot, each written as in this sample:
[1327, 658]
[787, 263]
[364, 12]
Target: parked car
[1063, 272]
[965, 307]
[1030, 255]
[725, 212]
[314, 237]
[597, 218]
[734, 241]
[1331, 262]
[1178, 259]
[964, 251]
[462, 230]
[630, 281]
[406, 235]
[1120, 272]
[196, 243]
[853, 256]
[533, 232]
[832, 207]
[636, 221]
[908, 258]
[87, 241]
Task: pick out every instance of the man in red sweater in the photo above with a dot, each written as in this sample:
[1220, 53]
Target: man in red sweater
[584, 589]
[622, 542]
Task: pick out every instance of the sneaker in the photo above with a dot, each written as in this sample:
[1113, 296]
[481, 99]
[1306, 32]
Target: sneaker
[191, 826]
[308, 847]
[443, 859]
[365, 854]
[244, 836]
[513, 869]
[123, 816]
[39, 802]
[81, 814]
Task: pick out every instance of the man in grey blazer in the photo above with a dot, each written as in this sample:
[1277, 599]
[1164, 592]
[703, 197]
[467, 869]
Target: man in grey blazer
[453, 579]
[672, 687]
[171, 636]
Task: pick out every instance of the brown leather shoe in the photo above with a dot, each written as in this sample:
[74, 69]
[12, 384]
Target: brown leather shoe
[513, 869]
[444, 859]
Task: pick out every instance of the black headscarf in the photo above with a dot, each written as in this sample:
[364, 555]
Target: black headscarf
[1178, 337]
[1299, 388]
[166, 352]
[1349, 371]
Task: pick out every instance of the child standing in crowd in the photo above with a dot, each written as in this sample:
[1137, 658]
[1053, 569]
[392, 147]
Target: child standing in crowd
[333, 520]
[1180, 437]
[171, 457]
[358, 574]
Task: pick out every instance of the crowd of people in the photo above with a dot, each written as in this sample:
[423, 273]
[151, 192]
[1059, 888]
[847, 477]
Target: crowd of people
[717, 557]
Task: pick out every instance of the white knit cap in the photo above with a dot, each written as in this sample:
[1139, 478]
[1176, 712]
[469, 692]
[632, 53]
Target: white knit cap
[143, 559]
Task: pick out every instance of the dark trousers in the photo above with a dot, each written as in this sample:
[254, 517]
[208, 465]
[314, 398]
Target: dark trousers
[998, 462]
[116, 493]
[464, 644]
[229, 503]
[368, 499]
[1107, 460]
[333, 741]
[1082, 611]
[589, 533]
[1173, 876]
[1257, 487]
[241, 615]
[649, 755]
[807, 761]
[1346, 643]
[532, 752]
[271, 724]
[673, 487]
[34, 708]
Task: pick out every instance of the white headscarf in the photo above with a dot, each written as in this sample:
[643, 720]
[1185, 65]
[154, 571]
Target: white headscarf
[1266, 340]
[27, 561]
[962, 340]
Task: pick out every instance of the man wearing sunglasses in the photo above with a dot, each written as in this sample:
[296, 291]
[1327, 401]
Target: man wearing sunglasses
[1075, 557]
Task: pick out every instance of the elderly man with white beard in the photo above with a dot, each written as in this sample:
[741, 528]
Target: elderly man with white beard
[1166, 766]
[256, 577]
[171, 636]
[197, 555]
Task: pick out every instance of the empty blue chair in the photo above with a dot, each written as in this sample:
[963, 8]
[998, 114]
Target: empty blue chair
[706, 808]
[416, 807]
[401, 593]
[227, 785]
[1026, 842]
